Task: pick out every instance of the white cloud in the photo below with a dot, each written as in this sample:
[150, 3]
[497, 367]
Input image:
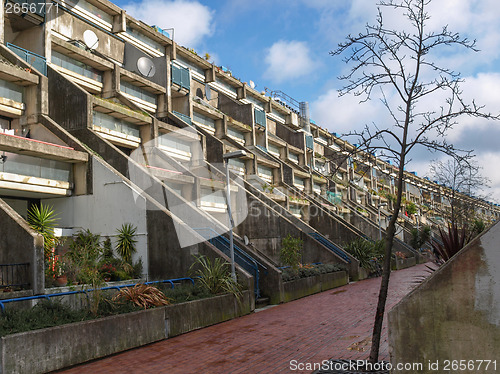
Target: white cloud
[191, 20]
[287, 60]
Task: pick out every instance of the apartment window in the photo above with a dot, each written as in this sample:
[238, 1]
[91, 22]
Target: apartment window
[143, 38]
[99, 13]
[115, 124]
[137, 92]
[76, 66]
[176, 147]
[265, 173]
[35, 167]
[299, 183]
[236, 134]
[11, 91]
[294, 157]
[274, 149]
[237, 166]
[204, 120]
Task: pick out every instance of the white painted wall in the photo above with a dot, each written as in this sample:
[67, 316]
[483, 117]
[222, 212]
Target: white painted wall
[112, 204]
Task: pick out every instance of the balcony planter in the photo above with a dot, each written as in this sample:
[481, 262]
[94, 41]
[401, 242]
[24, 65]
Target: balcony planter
[302, 287]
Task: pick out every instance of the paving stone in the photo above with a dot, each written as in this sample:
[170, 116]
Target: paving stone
[333, 324]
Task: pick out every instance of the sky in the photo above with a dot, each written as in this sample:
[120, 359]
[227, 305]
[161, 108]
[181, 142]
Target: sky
[285, 46]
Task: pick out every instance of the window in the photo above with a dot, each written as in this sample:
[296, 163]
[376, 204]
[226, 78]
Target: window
[274, 149]
[115, 124]
[76, 66]
[265, 173]
[35, 167]
[137, 92]
[204, 120]
[294, 157]
[236, 134]
[143, 38]
[11, 91]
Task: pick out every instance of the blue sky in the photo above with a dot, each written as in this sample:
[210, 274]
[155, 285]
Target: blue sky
[285, 45]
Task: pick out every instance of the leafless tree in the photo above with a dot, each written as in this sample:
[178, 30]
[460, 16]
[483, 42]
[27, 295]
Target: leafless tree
[464, 179]
[423, 99]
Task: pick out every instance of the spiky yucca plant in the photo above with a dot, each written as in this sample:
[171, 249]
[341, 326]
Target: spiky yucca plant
[125, 245]
[453, 241]
[214, 276]
[43, 220]
[143, 295]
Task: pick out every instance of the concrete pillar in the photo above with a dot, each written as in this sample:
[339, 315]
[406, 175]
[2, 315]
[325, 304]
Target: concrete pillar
[119, 22]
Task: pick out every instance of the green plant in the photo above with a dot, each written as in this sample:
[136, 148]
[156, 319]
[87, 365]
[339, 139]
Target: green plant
[453, 241]
[86, 252]
[214, 276]
[420, 237]
[43, 220]
[291, 251]
[411, 208]
[142, 295]
[125, 245]
[365, 252]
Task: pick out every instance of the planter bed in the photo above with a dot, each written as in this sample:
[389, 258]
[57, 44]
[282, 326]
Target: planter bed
[403, 263]
[302, 287]
[49, 349]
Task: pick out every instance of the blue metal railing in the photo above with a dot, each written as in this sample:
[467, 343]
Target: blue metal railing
[240, 257]
[14, 275]
[309, 142]
[36, 61]
[180, 76]
[184, 117]
[332, 247]
[116, 287]
[260, 117]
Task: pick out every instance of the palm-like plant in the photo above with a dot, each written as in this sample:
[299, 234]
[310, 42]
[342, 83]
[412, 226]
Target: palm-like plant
[125, 245]
[43, 220]
[214, 276]
[453, 242]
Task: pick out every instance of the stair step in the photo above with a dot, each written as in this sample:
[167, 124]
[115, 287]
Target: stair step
[261, 302]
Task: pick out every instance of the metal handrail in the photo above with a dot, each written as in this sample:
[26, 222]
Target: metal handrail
[116, 287]
[330, 245]
[216, 238]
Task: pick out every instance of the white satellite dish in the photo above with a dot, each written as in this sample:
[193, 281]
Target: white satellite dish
[90, 39]
[208, 92]
[146, 67]
[252, 84]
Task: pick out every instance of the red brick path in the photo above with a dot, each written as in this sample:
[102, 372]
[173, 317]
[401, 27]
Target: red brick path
[332, 324]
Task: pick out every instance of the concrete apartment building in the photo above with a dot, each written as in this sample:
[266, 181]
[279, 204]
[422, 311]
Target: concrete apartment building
[109, 121]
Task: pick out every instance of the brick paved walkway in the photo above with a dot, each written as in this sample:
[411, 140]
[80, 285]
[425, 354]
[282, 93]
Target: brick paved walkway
[335, 323]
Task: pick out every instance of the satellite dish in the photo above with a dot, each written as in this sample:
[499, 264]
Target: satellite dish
[245, 240]
[252, 84]
[208, 92]
[90, 39]
[146, 67]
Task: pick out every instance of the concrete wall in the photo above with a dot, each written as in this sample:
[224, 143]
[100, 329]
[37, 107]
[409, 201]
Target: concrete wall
[112, 204]
[20, 244]
[454, 314]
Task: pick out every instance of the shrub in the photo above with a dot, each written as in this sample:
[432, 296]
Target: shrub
[420, 237]
[291, 251]
[142, 295]
[453, 241]
[288, 274]
[214, 276]
[125, 245]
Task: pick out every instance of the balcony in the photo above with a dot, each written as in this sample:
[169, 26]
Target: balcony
[180, 77]
[29, 176]
[260, 118]
[309, 142]
[183, 117]
[36, 61]
[11, 99]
